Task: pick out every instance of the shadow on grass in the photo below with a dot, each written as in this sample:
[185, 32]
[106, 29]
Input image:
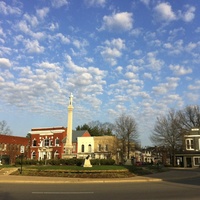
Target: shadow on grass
[145, 170]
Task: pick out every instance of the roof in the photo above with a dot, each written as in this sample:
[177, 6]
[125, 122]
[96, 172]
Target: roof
[9, 139]
[48, 128]
[75, 134]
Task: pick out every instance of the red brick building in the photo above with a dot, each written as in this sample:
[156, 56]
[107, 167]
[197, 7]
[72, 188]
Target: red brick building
[49, 143]
[10, 147]
[46, 143]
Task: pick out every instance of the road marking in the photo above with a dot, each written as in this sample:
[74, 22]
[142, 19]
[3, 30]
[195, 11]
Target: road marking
[62, 193]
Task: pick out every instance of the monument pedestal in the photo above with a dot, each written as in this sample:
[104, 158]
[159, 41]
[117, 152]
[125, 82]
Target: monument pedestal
[87, 163]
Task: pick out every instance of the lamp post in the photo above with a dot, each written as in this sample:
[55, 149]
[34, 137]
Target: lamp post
[0, 156]
[2, 150]
[22, 153]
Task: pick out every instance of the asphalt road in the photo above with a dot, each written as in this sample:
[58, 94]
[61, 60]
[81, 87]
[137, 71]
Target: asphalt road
[98, 191]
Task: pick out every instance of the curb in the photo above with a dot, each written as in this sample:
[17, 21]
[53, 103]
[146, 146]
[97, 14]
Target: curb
[14, 179]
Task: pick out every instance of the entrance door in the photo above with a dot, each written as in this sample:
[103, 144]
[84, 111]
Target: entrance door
[189, 162]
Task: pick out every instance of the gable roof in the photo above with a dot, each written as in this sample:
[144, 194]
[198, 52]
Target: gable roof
[75, 134]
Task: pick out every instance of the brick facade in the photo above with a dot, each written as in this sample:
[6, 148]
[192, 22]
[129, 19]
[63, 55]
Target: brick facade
[10, 148]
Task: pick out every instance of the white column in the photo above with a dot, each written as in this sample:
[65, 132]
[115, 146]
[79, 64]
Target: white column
[69, 127]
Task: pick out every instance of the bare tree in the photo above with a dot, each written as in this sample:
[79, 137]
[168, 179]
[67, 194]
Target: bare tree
[189, 117]
[167, 133]
[4, 128]
[126, 131]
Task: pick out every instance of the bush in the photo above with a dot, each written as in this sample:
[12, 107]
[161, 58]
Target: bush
[69, 162]
[102, 162]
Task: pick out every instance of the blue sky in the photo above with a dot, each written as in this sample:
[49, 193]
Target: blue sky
[138, 57]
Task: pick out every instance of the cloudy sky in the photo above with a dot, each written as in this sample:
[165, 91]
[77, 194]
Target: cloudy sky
[140, 57]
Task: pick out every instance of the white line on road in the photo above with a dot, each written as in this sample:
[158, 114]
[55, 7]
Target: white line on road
[62, 193]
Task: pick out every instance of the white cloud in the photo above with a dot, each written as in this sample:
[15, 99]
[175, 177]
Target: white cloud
[119, 69]
[118, 22]
[195, 85]
[87, 82]
[47, 65]
[53, 26]
[6, 9]
[42, 13]
[59, 3]
[64, 39]
[112, 50]
[31, 19]
[189, 15]
[148, 75]
[89, 60]
[164, 12]
[193, 97]
[130, 75]
[180, 70]
[191, 46]
[145, 2]
[33, 46]
[164, 88]
[95, 3]
[153, 63]
[5, 63]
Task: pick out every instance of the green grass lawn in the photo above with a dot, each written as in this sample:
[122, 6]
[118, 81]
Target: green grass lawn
[96, 171]
[66, 167]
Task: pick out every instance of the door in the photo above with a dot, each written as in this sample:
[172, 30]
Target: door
[189, 162]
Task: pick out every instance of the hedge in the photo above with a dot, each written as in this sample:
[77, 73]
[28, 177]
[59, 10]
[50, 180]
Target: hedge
[73, 161]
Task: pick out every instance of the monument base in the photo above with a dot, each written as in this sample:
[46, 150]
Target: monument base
[87, 162]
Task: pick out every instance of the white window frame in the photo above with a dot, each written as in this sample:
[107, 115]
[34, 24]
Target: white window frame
[199, 143]
[57, 142]
[189, 143]
[196, 164]
[89, 148]
[46, 142]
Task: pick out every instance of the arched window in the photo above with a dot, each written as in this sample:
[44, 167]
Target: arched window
[89, 148]
[33, 155]
[46, 142]
[34, 143]
[82, 148]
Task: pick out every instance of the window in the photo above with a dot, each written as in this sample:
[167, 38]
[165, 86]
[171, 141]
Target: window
[82, 148]
[99, 147]
[56, 154]
[197, 161]
[106, 147]
[46, 142]
[57, 141]
[34, 143]
[33, 155]
[199, 143]
[74, 148]
[89, 148]
[189, 144]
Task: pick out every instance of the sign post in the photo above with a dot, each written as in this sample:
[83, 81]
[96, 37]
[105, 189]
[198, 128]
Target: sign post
[22, 152]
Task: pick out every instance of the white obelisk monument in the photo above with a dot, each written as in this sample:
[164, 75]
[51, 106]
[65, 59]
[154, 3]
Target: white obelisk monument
[68, 145]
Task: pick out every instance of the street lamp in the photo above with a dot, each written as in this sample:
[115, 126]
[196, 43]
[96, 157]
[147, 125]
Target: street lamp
[22, 152]
[1, 149]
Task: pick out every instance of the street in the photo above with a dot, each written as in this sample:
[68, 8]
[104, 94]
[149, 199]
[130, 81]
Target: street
[97, 191]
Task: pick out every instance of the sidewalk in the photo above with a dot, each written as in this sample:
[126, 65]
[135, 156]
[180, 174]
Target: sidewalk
[57, 180]
[164, 176]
